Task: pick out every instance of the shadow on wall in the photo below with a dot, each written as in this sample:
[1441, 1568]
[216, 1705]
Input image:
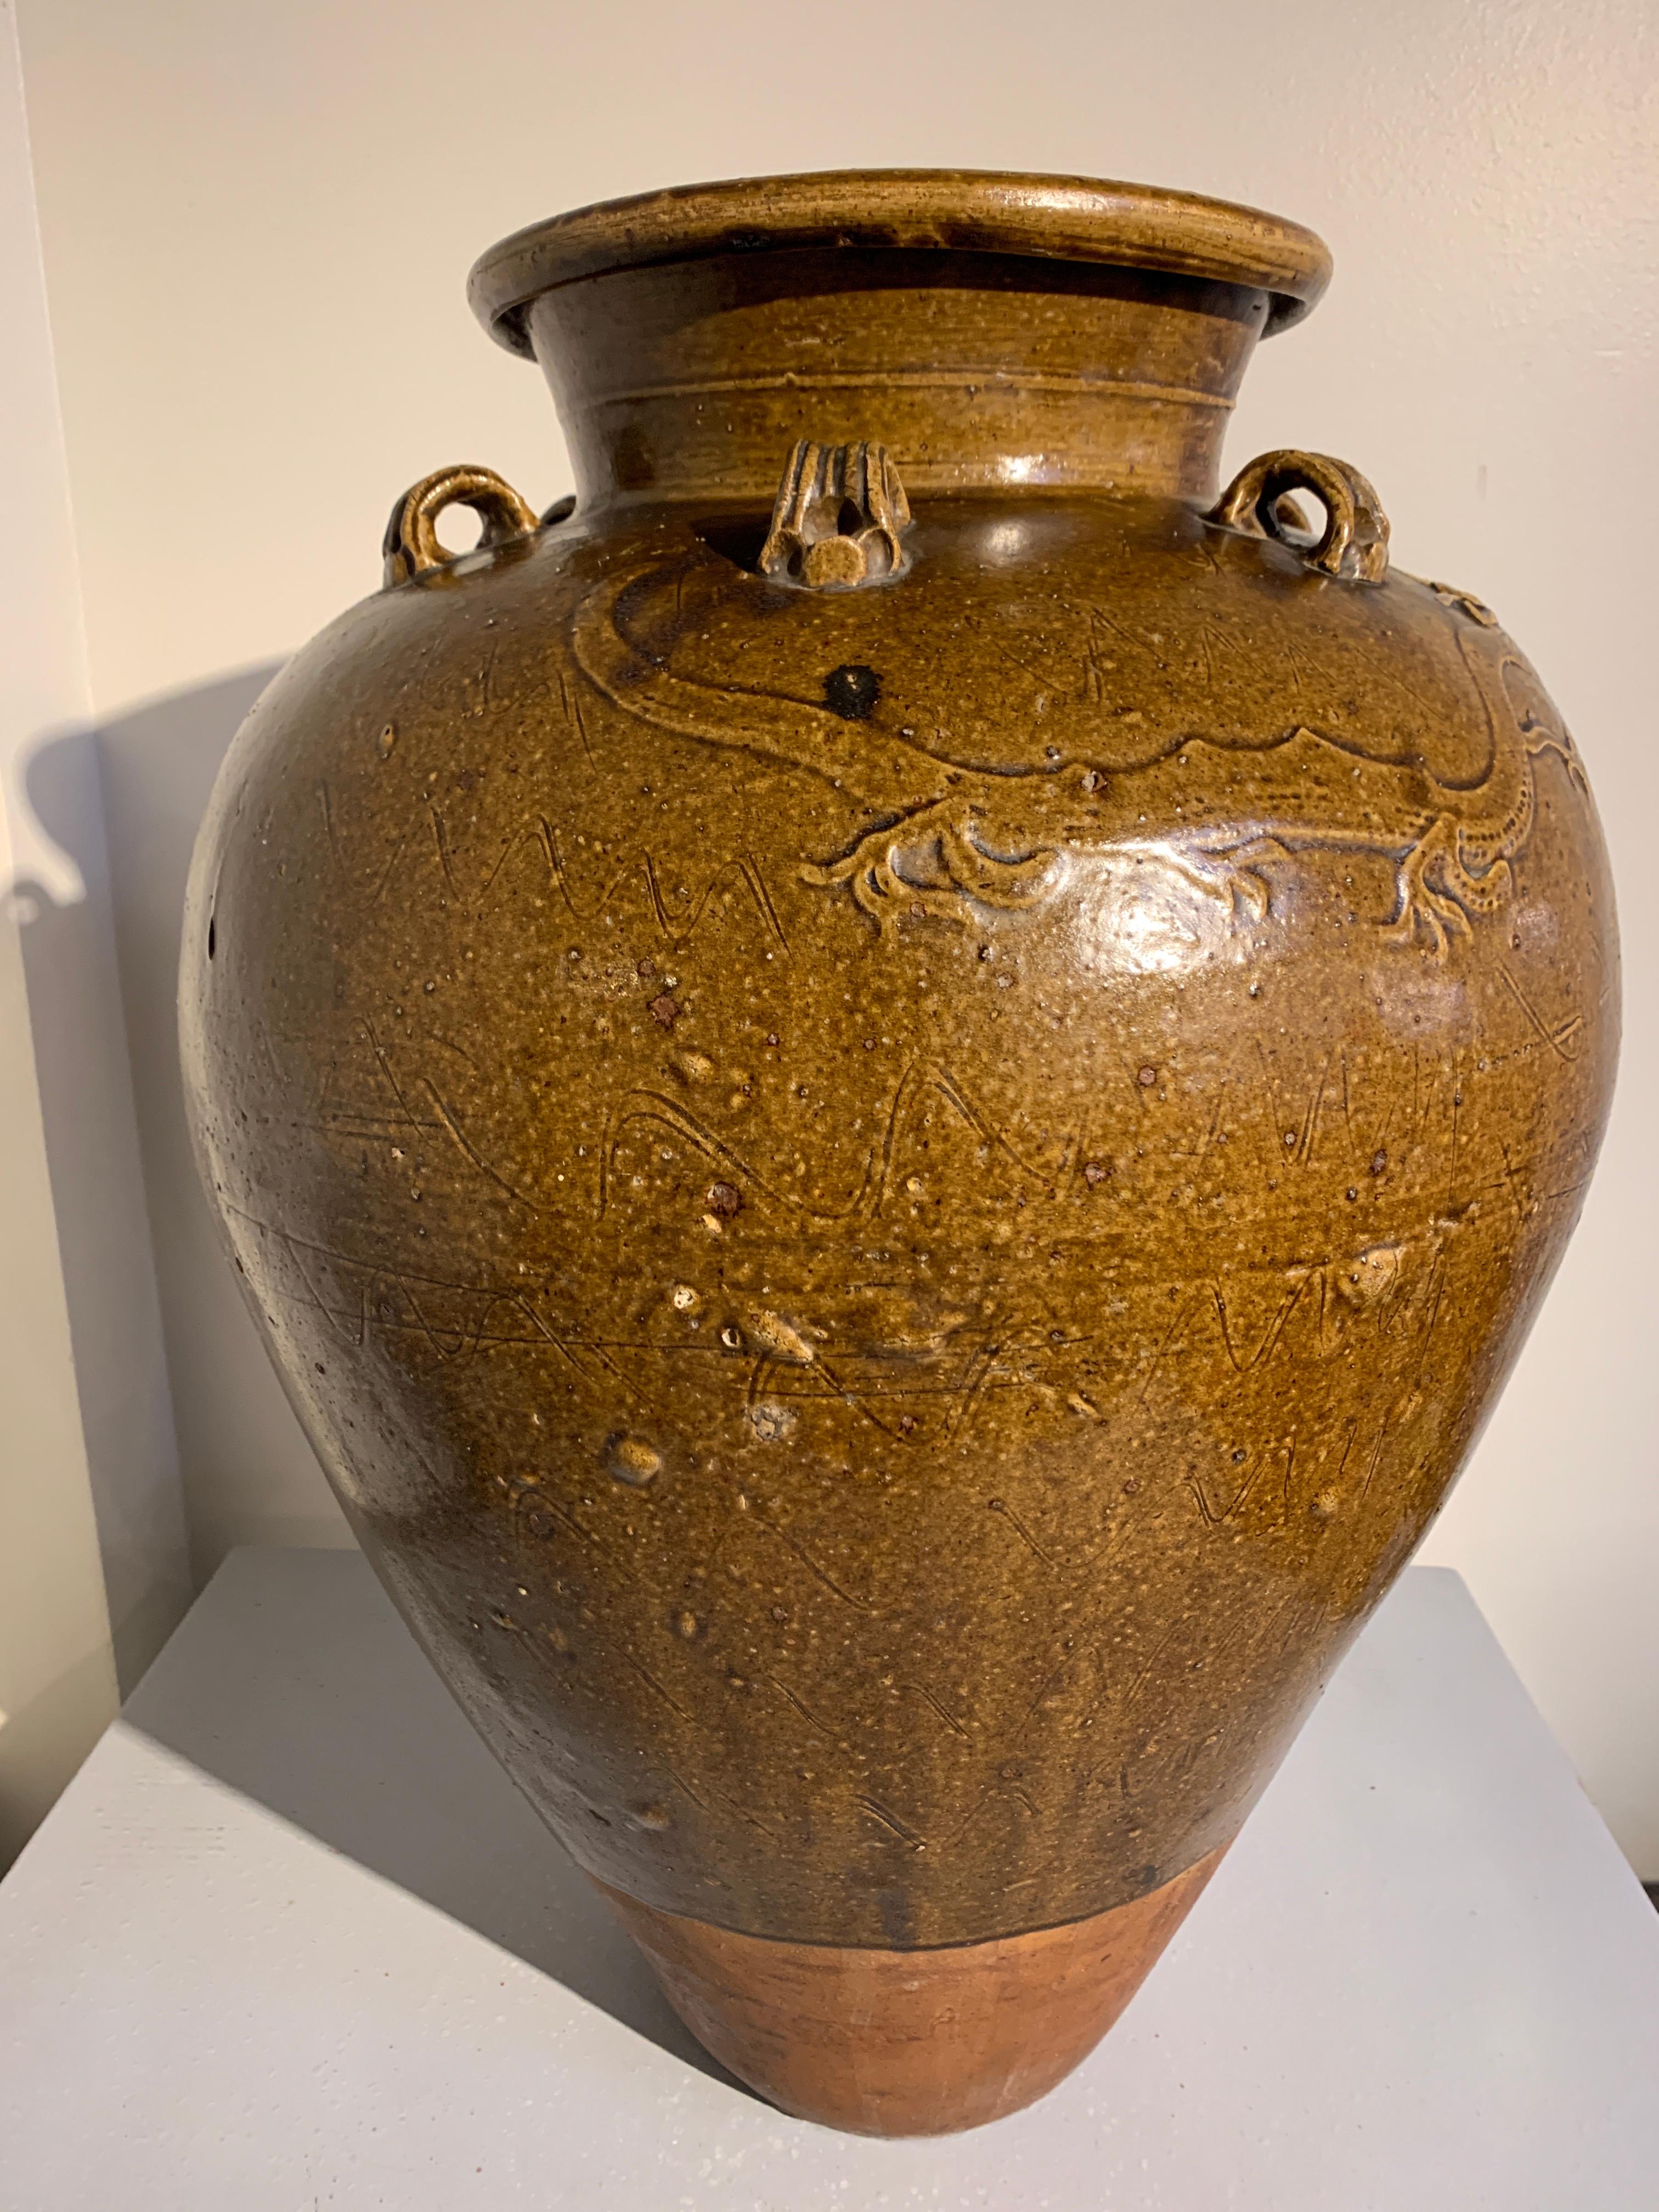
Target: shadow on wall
[60, 904]
[248, 1475]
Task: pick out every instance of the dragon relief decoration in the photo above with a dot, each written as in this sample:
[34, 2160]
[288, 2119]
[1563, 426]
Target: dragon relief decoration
[1098, 741]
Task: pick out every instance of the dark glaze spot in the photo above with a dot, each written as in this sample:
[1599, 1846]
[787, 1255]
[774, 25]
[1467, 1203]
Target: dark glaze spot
[561, 511]
[852, 691]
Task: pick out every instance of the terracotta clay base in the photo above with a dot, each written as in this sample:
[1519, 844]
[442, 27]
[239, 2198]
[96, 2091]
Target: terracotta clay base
[908, 2042]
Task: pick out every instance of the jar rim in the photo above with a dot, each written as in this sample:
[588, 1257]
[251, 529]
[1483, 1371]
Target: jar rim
[1076, 219]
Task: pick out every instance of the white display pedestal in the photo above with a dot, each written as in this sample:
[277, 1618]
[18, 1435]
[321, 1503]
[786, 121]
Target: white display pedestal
[290, 1942]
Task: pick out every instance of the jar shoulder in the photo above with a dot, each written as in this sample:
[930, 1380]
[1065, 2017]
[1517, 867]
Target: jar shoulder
[1053, 677]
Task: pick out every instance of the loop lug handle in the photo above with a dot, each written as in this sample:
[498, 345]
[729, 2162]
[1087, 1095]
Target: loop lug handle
[411, 545]
[1354, 544]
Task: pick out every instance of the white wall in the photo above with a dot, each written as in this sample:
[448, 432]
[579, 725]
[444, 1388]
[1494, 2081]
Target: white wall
[57, 1668]
[257, 220]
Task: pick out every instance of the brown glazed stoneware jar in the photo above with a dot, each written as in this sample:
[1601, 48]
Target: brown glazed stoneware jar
[894, 1094]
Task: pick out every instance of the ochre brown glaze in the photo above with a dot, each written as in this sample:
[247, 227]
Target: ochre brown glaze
[894, 1099]
[908, 2042]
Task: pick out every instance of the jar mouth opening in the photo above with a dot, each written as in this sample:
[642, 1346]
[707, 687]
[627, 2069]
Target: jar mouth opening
[1075, 219]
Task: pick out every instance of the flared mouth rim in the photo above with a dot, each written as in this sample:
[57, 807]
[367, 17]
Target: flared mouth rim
[1077, 219]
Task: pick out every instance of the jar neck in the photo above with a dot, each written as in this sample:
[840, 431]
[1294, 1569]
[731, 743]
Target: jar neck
[692, 381]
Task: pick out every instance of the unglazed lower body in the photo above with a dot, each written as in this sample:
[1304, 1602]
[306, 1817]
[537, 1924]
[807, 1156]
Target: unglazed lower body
[908, 2042]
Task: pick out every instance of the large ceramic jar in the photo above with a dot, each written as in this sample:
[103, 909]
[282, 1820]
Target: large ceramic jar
[893, 1095]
